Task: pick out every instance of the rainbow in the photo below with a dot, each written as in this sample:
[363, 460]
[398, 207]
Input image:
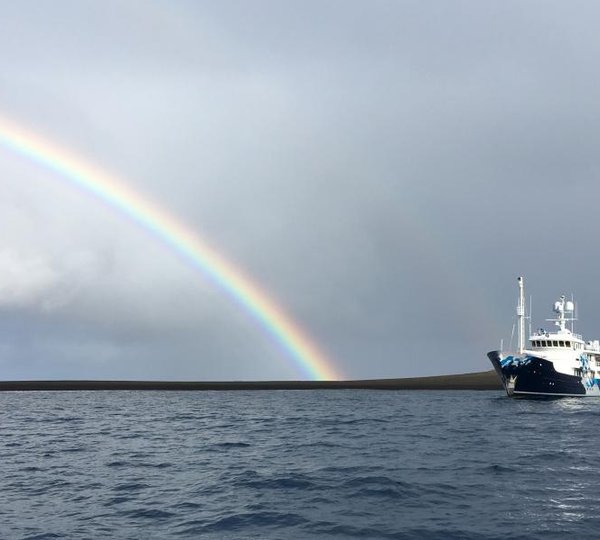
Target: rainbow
[179, 238]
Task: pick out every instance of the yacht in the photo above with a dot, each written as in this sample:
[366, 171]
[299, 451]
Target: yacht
[553, 363]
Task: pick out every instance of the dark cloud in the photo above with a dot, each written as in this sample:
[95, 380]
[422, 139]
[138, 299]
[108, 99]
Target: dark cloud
[385, 170]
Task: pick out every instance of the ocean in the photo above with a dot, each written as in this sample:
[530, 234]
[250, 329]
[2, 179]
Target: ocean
[297, 464]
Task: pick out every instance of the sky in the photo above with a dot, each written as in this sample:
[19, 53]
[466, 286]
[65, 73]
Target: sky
[384, 170]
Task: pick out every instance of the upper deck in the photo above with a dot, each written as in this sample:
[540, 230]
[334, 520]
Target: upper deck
[562, 340]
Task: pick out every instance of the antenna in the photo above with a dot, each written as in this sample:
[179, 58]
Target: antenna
[521, 315]
[512, 335]
[530, 313]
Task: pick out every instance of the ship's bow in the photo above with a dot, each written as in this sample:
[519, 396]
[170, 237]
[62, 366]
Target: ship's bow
[507, 381]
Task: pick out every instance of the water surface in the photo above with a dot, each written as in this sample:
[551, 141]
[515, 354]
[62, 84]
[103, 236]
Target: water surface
[296, 464]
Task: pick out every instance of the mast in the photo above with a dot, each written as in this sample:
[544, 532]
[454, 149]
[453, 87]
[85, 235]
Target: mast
[521, 316]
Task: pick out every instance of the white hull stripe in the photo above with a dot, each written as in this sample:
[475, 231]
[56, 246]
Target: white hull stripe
[554, 394]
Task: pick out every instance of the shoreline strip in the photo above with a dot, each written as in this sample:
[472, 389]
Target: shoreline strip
[484, 380]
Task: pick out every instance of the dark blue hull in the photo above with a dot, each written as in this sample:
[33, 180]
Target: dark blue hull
[535, 377]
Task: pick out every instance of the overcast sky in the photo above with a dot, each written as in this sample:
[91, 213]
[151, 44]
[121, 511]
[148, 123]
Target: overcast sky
[384, 169]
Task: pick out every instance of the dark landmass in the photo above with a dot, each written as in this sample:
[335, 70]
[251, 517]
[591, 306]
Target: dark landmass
[484, 380]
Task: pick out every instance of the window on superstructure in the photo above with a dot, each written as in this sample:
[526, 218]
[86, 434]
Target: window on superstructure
[561, 343]
[555, 343]
[568, 343]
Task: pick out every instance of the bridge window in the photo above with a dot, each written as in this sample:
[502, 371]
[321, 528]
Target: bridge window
[561, 343]
[555, 343]
[568, 343]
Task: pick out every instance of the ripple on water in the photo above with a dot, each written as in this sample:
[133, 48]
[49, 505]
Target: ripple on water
[322, 464]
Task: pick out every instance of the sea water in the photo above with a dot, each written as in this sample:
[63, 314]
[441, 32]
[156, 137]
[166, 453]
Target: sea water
[297, 464]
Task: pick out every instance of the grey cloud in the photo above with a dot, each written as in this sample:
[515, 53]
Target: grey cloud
[385, 170]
